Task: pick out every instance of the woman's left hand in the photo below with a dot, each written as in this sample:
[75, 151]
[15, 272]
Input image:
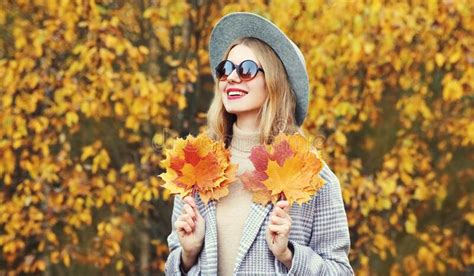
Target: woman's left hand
[278, 232]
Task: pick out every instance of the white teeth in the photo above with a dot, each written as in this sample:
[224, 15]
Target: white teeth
[236, 93]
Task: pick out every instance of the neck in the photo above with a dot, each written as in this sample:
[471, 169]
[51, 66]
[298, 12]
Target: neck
[247, 122]
[244, 140]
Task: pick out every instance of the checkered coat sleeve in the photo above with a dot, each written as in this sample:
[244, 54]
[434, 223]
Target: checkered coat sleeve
[319, 235]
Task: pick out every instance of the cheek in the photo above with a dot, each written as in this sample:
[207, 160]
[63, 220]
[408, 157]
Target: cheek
[264, 89]
[262, 92]
[220, 90]
[220, 87]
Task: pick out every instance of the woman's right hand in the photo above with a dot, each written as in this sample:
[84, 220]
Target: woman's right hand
[190, 227]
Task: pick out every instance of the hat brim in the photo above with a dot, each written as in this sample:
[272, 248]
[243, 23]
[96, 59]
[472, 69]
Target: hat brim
[242, 24]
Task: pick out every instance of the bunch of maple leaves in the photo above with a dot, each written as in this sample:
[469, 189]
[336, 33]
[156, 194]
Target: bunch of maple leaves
[287, 169]
[198, 165]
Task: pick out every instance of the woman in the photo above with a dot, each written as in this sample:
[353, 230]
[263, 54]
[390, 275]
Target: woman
[261, 89]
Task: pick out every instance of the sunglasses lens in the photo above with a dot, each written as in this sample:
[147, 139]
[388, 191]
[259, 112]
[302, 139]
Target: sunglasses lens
[224, 69]
[248, 69]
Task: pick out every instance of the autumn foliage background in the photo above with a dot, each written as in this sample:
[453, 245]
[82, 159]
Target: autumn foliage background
[91, 91]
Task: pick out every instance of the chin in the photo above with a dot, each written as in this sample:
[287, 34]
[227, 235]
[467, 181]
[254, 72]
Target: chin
[238, 112]
[232, 109]
[238, 108]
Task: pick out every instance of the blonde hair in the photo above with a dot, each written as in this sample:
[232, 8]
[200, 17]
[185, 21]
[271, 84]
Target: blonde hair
[277, 113]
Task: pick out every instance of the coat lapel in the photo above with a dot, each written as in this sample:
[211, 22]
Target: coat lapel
[257, 215]
[210, 238]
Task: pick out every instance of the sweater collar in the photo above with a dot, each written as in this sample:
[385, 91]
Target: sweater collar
[244, 140]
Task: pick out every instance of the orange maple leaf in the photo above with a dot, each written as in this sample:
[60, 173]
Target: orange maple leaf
[198, 165]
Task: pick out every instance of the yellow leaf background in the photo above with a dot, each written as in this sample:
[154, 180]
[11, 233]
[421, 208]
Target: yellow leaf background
[86, 85]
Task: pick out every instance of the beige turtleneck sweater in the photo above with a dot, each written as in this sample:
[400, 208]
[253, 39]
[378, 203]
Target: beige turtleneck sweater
[232, 210]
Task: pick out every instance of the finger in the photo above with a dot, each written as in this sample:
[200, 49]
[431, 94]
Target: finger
[187, 209]
[280, 212]
[197, 214]
[182, 226]
[187, 218]
[190, 200]
[279, 229]
[278, 220]
[283, 204]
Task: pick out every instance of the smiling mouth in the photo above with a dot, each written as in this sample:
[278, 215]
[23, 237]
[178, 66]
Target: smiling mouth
[233, 95]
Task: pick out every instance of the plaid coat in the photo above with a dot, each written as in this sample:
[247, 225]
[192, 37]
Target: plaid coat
[319, 234]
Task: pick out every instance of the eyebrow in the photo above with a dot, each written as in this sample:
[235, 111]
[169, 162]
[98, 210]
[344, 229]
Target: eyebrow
[236, 63]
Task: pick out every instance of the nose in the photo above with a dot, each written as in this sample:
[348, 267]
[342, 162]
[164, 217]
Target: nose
[233, 77]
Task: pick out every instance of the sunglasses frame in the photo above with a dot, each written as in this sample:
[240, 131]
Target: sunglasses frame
[238, 68]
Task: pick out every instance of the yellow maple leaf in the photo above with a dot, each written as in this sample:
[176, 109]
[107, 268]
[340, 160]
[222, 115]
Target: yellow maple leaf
[293, 179]
[298, 143]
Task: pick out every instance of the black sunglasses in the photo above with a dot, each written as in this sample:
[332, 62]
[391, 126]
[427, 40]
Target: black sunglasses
[246, 70]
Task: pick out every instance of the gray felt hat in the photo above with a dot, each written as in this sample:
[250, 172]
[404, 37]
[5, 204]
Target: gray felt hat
[244, 24]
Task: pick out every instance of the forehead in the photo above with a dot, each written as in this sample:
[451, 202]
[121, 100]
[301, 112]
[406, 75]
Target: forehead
[240, 53]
